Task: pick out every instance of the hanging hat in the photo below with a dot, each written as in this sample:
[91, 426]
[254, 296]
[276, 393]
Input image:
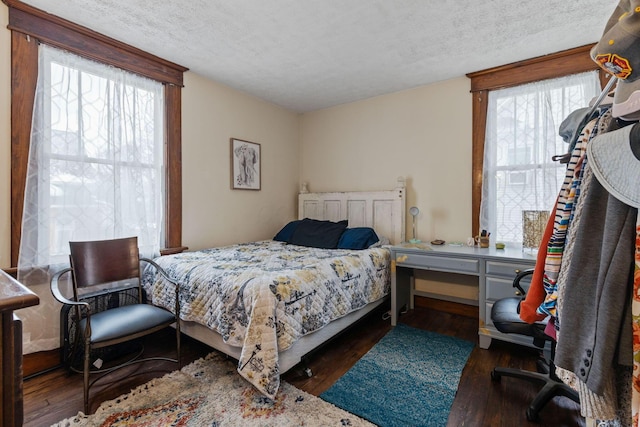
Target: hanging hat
[627, 106]
[618, 53]
[613, 161]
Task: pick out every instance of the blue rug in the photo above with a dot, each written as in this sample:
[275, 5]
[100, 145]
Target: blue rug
[409, 378]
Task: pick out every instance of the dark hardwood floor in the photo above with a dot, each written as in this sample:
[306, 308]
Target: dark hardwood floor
[55, 395]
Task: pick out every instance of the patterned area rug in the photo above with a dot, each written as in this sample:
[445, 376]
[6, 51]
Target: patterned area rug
[409, 378]
[209, 392]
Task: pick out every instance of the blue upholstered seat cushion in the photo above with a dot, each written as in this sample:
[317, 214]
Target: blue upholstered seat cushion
[357, 238]
[126, 320]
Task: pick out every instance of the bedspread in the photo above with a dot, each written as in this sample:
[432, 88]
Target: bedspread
[263, 296]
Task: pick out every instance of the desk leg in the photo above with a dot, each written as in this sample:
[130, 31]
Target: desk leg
[485, 341]
[412, 288]
[401, 281]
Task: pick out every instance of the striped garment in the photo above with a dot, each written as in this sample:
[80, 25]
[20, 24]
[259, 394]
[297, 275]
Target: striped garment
[563, 215]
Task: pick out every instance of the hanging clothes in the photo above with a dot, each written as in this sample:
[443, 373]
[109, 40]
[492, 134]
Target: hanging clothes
[608, 404]
[611, 405]
[616, 164]
[596, 307]
[605, 406]
[572, 129]
[562, 216]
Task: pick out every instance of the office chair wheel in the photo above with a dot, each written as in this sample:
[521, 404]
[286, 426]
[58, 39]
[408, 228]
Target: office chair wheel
[495, 377]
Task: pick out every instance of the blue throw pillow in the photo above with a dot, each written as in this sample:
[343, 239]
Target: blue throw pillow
[284, 235]
[318, 234]
[357, 238]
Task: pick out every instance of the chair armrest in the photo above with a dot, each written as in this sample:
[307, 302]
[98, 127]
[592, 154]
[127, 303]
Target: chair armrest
[519, 277]
[55, 290]
[160, 270]
[169, 279]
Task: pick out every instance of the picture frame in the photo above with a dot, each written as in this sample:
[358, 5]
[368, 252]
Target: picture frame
[246, 167]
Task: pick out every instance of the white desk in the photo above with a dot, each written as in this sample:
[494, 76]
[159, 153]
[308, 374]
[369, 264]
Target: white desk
[495, 269]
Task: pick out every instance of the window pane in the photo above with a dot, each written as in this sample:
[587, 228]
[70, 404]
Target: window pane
[81, 199]
[64, 110]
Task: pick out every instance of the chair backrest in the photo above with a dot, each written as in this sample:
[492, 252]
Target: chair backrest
[103, 261]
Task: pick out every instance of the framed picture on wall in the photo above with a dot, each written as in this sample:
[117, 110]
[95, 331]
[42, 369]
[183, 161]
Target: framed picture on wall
[245, 165]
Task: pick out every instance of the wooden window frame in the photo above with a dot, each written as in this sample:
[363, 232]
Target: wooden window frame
[571, 61]
[29, 25]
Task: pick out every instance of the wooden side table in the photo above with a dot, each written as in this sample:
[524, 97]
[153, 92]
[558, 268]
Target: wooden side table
[13, 296]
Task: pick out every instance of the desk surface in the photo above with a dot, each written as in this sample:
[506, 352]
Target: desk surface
[508, 253]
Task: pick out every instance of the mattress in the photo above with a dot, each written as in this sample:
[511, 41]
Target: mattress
[263, 296]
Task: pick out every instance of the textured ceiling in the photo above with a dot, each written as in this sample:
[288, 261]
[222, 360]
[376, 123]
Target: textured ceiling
[306, 55]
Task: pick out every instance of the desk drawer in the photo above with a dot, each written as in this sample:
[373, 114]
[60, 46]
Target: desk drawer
[439, 263]
[505, 269]
[497, 288]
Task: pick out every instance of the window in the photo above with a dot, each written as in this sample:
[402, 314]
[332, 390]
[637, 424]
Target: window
[519, 149]
[521, 139]
[95, 161]
[31, 26]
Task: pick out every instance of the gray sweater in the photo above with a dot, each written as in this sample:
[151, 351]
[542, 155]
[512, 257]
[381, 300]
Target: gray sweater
[595, 323]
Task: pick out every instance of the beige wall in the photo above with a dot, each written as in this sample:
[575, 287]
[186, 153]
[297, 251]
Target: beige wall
[213, 214]
[422, 134]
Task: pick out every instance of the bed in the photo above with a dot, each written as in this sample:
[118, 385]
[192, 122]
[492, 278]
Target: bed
[269, 303]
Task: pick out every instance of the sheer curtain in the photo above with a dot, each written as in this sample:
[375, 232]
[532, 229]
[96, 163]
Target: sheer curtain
[521, 138]
[95, 172]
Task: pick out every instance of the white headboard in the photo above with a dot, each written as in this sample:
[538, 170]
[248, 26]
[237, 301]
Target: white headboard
[384, 211]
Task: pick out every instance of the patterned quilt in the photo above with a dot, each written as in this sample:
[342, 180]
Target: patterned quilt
[263, 296]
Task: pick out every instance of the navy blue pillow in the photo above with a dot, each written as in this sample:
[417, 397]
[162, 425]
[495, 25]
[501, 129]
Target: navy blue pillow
[318, 234]
[284, 235]
[357, 238]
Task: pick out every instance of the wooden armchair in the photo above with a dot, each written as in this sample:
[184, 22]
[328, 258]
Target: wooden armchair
[116, 262]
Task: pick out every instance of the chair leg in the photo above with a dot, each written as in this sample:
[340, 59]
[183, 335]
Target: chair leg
[75, 348]
[87, 359]
[178, 350]
[551, 387]
[548, 392]
[533, 377]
